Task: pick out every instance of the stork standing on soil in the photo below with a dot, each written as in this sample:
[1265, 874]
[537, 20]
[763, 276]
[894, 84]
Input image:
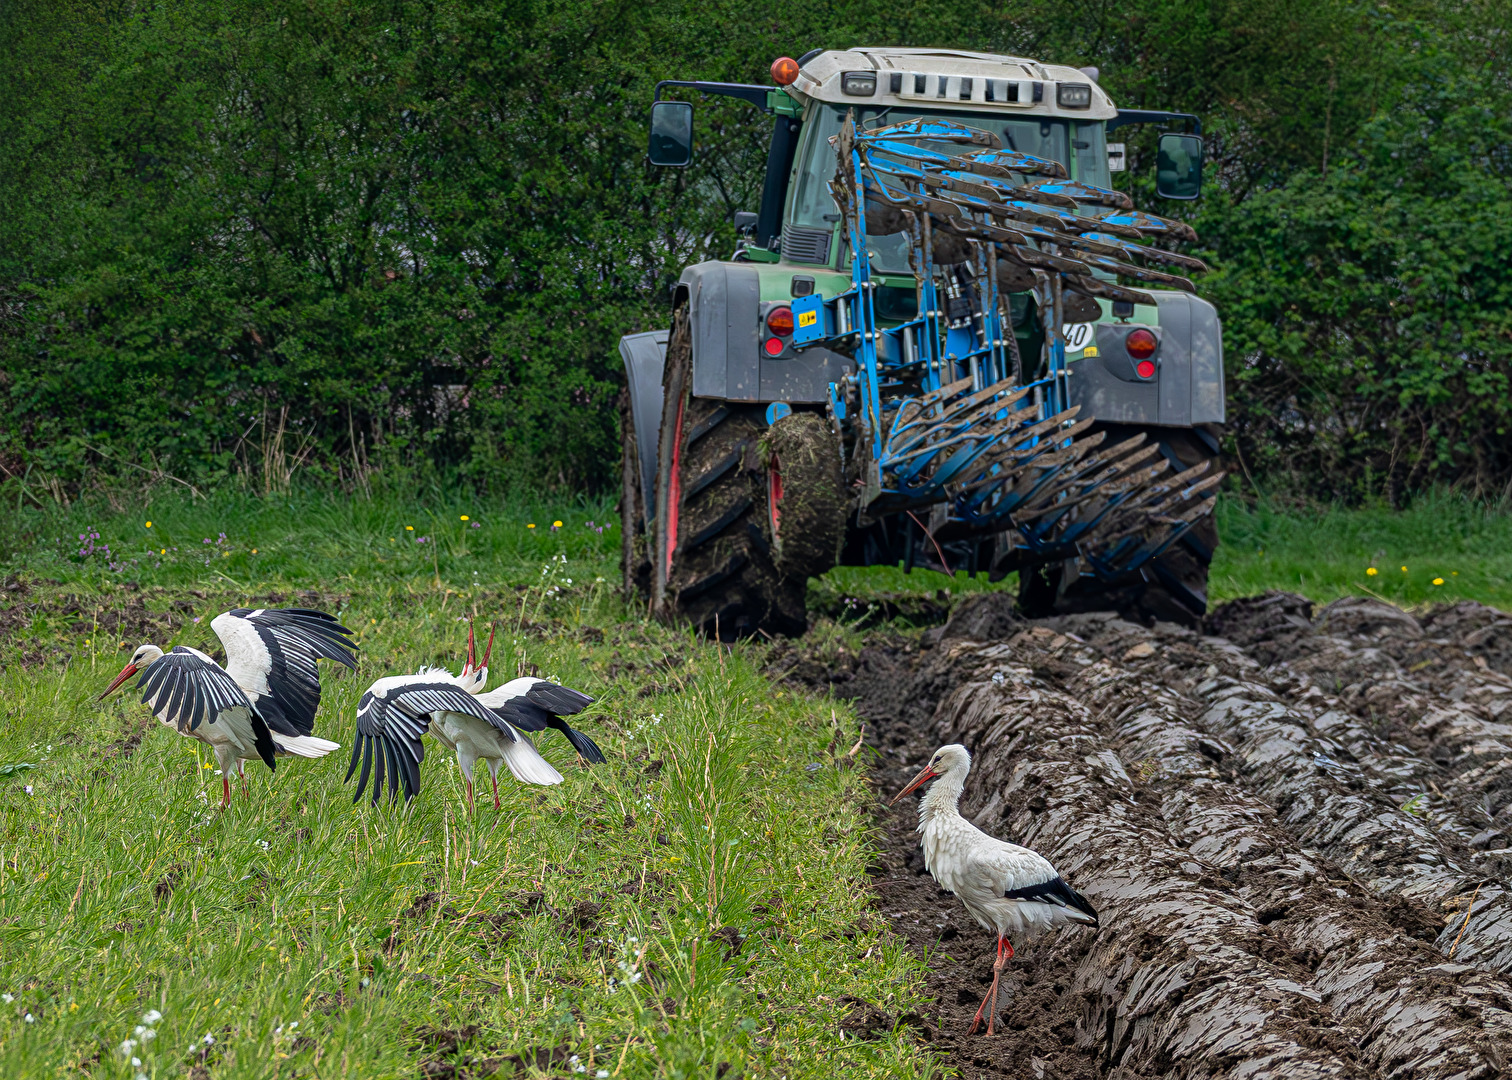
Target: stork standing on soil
[262, 704]
[1006, 888]
[397, 711]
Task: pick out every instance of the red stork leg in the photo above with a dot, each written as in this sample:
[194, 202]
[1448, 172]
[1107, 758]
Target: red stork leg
[496, 788]
[225, 791]
[469, 795]
[1004, 954]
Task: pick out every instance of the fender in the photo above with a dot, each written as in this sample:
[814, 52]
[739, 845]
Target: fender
[1187, 389]
[727, 302]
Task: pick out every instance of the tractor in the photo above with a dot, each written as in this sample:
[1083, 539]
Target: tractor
[943, 340]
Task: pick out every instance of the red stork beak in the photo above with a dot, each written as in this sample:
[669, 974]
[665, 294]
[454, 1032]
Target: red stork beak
[488, 649]
[126, 672]
[919, 781]
[472, 651]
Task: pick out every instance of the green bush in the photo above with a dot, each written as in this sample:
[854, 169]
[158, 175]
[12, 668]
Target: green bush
[266, 239]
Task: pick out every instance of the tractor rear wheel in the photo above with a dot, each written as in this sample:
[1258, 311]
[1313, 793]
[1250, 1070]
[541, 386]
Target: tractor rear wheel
[712, 559]
[1170, 588]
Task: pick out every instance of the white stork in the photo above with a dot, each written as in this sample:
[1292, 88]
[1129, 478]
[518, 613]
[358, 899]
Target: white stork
[1006, 888]
[262, 704]
[529, 703]
[397, 711]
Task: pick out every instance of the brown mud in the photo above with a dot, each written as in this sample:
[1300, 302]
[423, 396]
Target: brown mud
[1283, 821]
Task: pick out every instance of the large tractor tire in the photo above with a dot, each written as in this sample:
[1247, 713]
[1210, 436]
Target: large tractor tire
[713, 564]
[1170, 588]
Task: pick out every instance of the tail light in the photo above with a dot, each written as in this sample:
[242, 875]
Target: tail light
[1141, 345]
[780, 321]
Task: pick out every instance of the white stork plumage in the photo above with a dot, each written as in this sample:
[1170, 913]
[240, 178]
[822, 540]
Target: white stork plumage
[1006, 888]
[262, 704]
[397, 711]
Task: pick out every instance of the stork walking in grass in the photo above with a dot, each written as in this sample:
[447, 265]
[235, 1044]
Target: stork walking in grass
[262, 704]
[397, 711]
[1008, 889]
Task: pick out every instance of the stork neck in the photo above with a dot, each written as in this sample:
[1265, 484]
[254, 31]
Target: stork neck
[940, 802]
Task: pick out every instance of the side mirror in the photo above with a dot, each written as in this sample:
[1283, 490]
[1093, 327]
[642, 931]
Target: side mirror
[1178, 167]
[671, 134]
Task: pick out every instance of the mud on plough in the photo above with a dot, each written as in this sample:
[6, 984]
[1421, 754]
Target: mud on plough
[942, 409]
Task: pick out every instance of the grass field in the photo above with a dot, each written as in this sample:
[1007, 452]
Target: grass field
[696, 907]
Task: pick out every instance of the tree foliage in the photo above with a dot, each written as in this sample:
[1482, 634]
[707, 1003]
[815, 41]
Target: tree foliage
[250, 235]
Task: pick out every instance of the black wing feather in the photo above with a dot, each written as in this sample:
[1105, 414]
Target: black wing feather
[389, 739]
[560, 700]
[1057, 892]
[523, 715]
[296, 638]
[421, 699]
[580, 742]
[190, 690]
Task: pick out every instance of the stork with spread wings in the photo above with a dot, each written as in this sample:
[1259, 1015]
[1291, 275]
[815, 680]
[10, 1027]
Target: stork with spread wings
[262, 703]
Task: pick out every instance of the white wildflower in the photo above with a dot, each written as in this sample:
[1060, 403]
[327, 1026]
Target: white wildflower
[151, 1016]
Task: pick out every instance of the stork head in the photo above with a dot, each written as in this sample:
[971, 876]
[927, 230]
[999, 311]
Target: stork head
[145, 656]
[475, 674]
[951, 760]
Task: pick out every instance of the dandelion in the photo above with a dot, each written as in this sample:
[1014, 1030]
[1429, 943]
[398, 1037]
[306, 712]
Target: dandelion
[464, 517]
[1404, 569]
[556, 524]
[531, 525]
[1371, 572]
[225, 554]
[409, 528]
[1438, 581]
[162, 551]
[149, 524]
[254, 551]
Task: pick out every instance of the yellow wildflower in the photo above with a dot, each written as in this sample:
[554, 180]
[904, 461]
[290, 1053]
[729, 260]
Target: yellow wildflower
[531, 525]
[409, 528]
[556, 524]
[1404, 569]
[464, 517]
[1371, 572]
[149, 524]
[1438, 581]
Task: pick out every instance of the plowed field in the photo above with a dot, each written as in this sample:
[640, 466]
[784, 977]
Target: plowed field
[1284, 821]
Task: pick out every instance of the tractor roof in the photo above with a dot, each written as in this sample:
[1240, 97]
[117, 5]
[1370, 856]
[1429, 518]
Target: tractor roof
[951, 79]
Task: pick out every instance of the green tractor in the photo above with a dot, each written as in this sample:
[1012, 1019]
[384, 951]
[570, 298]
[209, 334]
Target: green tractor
[1012, 378]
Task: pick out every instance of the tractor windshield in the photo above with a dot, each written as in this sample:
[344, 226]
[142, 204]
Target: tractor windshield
[1080, 147]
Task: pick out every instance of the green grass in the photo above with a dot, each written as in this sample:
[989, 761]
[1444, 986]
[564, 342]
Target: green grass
[1462, 543]
[394, 937]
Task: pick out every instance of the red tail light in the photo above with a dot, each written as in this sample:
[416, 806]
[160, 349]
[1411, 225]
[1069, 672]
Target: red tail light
[780, 321]
[1141, 344]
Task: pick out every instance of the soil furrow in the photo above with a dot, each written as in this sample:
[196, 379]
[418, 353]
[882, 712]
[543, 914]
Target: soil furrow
[1182, 980]
[1269, 907]
[1416, 1014]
